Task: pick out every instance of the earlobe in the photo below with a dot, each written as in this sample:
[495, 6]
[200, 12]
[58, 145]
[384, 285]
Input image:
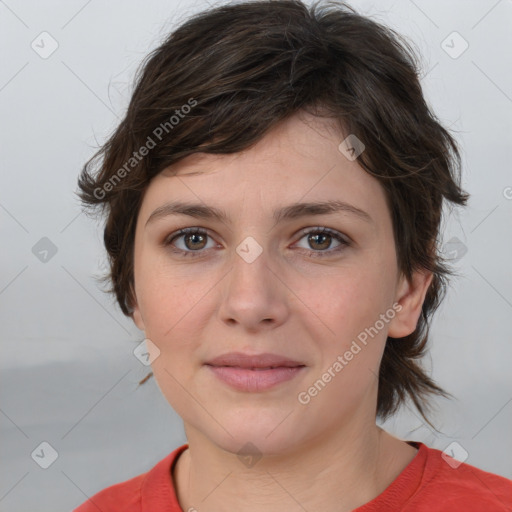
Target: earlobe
[137, 318]
[136, 315]
[410, 296]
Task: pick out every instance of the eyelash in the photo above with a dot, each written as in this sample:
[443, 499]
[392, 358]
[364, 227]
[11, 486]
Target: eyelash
[315, 231]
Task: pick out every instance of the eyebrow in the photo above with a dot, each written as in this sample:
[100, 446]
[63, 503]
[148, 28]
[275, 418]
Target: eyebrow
[290, 212]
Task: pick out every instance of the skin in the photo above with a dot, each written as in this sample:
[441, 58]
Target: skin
[328, 454]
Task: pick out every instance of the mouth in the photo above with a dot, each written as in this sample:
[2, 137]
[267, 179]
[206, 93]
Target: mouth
[257, 369]
[265, 361]
[254, 373]
[255, 379]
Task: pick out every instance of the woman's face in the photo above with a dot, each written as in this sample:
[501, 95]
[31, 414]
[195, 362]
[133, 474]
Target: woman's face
[261, 281]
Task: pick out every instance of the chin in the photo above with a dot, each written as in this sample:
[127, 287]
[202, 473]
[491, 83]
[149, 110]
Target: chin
[269, 435]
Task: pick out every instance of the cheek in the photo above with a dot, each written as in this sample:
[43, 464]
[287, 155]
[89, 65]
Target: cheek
[351, 347]
[166, 296]
[349, 302]
[172, 309]
[350, 305]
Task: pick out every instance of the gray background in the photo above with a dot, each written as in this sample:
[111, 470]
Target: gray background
[68, 373]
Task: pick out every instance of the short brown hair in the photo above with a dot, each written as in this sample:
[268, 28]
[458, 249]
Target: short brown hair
[239, 69]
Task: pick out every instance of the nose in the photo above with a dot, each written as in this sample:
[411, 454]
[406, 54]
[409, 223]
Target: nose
[253, 293]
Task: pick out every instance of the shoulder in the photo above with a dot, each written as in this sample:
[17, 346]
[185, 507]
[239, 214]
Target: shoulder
[451, 485]
[149, 491]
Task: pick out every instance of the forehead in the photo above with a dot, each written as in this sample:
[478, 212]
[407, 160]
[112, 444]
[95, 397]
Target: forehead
[299, 160]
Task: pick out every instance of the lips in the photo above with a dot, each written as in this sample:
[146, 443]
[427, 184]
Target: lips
[265, 361]
[254, 373]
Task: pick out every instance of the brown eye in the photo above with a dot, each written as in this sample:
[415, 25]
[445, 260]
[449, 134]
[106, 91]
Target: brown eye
[320, 239]
[193, 240]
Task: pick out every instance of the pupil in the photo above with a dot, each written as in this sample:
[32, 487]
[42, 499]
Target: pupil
[321, 235]
[193, 235]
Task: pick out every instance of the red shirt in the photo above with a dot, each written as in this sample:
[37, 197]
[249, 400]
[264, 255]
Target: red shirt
[427, 484]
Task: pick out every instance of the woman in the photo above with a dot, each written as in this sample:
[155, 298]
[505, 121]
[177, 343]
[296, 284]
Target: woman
[273, 200]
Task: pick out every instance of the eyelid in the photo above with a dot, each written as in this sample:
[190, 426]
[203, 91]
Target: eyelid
[324, 229]
[186, 231]
[302, 232]
[344, 240]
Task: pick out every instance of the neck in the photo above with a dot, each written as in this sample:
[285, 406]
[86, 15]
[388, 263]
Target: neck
[341, 471]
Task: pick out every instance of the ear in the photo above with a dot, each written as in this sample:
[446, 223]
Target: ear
[136, 315]
[410, 296]
[137, 318]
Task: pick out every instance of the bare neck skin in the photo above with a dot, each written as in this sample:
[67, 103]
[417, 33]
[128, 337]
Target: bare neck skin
[341, 471]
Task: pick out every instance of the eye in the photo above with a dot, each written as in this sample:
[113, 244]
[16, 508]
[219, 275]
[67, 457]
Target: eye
[321, 238]
[193, 239]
